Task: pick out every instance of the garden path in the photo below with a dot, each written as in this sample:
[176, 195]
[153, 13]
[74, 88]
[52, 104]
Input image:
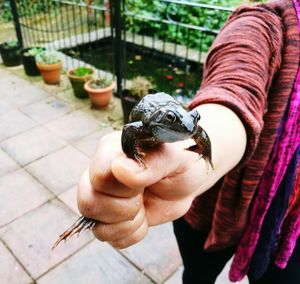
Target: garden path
[46, 138]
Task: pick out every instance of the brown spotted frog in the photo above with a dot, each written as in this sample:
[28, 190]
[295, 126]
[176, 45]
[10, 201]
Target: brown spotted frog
[156, 119]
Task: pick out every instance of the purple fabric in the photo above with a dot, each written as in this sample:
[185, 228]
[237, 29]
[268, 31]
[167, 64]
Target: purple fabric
[270, 233]
[282, 153]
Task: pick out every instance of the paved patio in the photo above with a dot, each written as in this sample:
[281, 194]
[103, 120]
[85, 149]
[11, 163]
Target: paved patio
[46, 139]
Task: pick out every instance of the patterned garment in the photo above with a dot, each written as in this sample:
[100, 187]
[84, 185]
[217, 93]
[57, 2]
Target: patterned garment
[245, 84]
[272, 230]
[281, 157]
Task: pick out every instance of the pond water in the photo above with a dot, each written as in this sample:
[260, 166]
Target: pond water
[168, 74]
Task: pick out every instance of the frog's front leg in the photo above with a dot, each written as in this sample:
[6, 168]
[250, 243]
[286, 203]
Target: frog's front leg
[202, 146]
[131, 135]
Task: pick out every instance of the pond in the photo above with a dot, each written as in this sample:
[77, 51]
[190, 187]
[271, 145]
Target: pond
[169, 74]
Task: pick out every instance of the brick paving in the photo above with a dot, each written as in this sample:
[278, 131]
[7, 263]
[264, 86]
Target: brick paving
[46, 138]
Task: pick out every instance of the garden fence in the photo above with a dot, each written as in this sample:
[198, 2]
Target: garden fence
[175, 34]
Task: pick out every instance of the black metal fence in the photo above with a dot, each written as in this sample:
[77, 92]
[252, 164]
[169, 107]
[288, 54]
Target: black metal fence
[164, 39]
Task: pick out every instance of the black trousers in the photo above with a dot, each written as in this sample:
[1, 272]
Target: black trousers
[201, 267]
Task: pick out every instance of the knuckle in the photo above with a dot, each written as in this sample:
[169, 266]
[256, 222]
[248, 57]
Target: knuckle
[85, 207]
[103, 232]
[134, 207]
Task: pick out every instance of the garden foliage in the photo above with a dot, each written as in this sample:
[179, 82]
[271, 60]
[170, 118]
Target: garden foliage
[167, 19]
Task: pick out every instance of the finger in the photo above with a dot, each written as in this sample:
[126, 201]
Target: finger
[114, 232]
[159, 211]
[166, 160]
[103, 207]
[101, 177]
[132, 239]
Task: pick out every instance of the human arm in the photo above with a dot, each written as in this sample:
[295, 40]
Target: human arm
[165, 190]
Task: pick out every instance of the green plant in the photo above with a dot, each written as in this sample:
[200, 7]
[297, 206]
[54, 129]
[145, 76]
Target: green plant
[10, 44]
[34, 51]
[25, 8]
[140, 86]
[48, 57]
[201, 17]
[100, 83]
[82, 71]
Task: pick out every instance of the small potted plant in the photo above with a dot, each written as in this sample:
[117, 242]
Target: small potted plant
[28, 58]
[100, 91]
[11, 53]
[49, 63]
[140, 87]
[78, 76]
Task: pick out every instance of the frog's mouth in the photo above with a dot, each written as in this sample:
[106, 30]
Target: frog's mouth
[166, 134]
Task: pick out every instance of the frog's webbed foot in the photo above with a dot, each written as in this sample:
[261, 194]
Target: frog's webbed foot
[78, 227]
[202, 146]
[138, 156]
[131, 135]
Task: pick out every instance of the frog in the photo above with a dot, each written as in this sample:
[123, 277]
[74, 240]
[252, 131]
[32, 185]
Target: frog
[158, 118]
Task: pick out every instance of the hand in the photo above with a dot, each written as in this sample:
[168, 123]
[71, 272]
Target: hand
[126, 198]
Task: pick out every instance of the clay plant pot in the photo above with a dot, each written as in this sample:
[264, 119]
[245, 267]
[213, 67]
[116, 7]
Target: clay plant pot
[50, 73]
[10, 56]
[78, 82]
[99, 97]
[29, 63]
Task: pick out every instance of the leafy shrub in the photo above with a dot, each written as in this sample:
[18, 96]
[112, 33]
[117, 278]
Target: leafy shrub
[25, 8]
[211, 20]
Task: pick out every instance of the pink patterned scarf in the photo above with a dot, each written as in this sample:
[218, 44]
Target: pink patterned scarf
[282, 153]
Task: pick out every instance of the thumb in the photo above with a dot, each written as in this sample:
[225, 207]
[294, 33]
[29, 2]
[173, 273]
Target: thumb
[161, 162]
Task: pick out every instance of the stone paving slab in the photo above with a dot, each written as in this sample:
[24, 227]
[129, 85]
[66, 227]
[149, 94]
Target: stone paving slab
[4, 107]
[11, 271]
[71, 100]
[157, 254]
[32, 144]
[46, 110]
[7, 164]
[14, 122]
[60, 170]
[69, 197]
[11, 83]
[23, 96]
[32, 236]
[73, 126]
[34, 217]
[20, 193]
[96, 263]
[88, 144]
[176, 278]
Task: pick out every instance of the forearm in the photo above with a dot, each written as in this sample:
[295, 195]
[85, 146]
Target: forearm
[228, 141]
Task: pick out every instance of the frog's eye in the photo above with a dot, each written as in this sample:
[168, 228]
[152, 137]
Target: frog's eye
[171, 117]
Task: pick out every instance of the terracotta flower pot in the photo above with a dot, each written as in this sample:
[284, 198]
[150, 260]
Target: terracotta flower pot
[99, 97]
[50, 73]
[78, 83]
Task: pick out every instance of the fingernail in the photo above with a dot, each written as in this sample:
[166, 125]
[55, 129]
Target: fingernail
[129, 164]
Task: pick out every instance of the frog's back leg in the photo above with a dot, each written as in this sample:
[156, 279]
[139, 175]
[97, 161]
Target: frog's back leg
[202, 146]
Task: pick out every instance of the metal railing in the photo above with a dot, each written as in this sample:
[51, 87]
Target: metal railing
[156, 29]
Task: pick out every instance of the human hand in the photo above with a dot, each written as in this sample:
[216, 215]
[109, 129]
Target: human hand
[126, 198]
